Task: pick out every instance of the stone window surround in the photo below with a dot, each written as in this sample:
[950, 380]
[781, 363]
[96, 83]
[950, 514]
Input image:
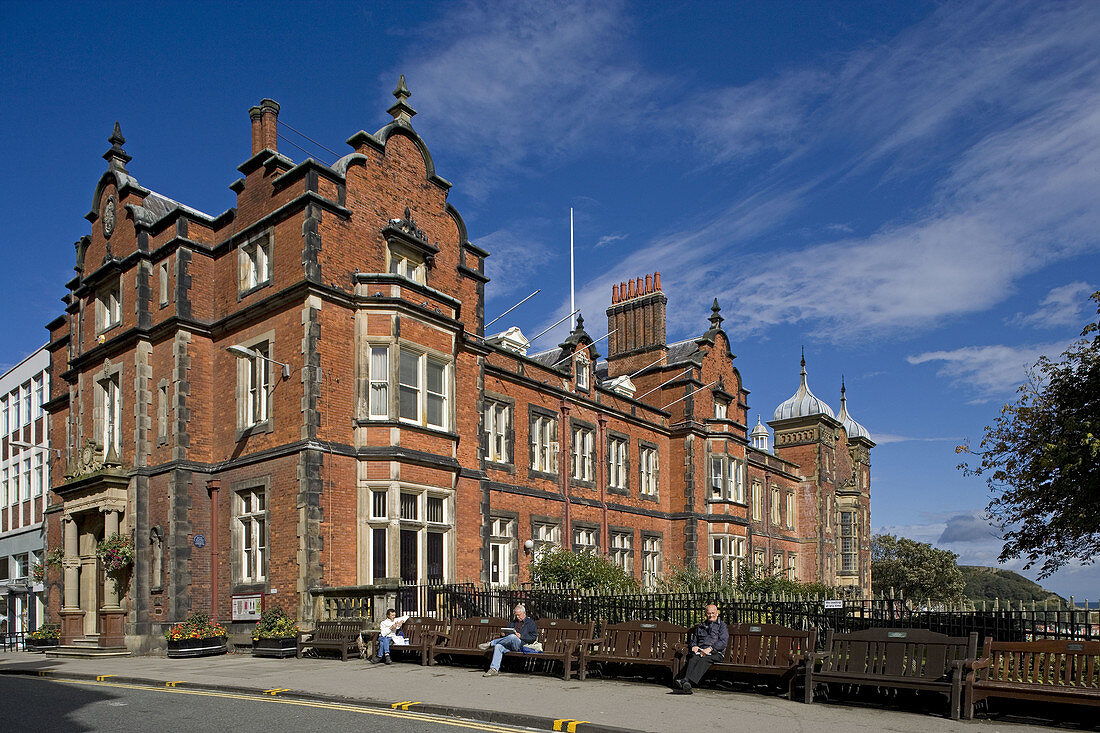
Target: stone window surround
[512, 542]
[537, 520]
[647, 534]
[394, 522]
[237, 539]
[109, 371]
[613, 530]
[533, 413]
[243, 256]
[424, 354]
[509, 434]
[576, 424]
[728, 461]
[655, 496]
[593, 527]
[268, 425]
[623, 490]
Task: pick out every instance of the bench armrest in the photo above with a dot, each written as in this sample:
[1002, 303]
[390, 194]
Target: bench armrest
[969, 665]
[581, 643]
[304, 635]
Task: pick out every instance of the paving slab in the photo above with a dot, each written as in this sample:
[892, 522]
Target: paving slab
[536, 700]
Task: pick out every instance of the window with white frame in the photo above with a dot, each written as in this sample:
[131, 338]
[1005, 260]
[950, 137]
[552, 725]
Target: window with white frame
[582, 454]
[647, 461]
[544, 444]
[435, 509]
[13, 398]
[792, 567]
[790, 510]
[622, 546]
[759, 560]
[26, 482]
[37, 476]
[757, 501]
[424, 389]
[22, 565]
[546, 534]
[405, 263]
[255, 263]
[721, 409]
[378, 504]
[502, 535]
[379, 397]
[498, 419]
[27, 416]
[727, 479]
[582, 371]
[36, 404]
[252, 526]
[849, 543]
[108, 308]
[776, 506]
[254, 378]
[5, 499]
[162, 282]
[651, 561]
[4, 415]
[727, 552]
[585, 539]
[162, 411]
[616, 475]
[777, 564]
[111, 432]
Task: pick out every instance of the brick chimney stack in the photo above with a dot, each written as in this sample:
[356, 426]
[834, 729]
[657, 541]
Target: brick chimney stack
[637, 317]
[257, 129]
[265, 126]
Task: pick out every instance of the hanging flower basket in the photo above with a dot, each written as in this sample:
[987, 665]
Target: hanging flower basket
[198, 636]
[116, 553]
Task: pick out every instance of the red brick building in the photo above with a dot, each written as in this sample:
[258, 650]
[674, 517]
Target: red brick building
[299, 392]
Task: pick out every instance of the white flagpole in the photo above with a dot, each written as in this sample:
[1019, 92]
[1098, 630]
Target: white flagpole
[572, 296]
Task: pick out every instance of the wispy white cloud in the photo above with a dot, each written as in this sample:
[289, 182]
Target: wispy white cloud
[987, 372]
[885, 438]
[609, 239]
[1062, 306]
[517, 256]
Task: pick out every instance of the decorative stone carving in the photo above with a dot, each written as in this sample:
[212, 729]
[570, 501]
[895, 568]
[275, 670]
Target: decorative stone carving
[109, 216]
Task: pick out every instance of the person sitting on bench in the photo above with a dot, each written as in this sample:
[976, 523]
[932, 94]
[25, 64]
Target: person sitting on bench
[389, 632]
[708, 645]
[524, 632]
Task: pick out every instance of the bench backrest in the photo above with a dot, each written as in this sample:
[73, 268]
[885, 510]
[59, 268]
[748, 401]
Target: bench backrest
[421, 630]
[467, 633]
[649, 639]
[915, 653]
[1058, 663]
[767, 645]
[336, 630]
[554, 632]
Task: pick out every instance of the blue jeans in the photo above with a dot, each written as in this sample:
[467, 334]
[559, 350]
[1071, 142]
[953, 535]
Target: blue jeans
[384, 645]
[510, 643]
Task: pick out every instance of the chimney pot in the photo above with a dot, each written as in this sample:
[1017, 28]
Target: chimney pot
[632, 288]
[648, 284]
[614, 293]
[269, 123]
[254, 114]
[657, 280]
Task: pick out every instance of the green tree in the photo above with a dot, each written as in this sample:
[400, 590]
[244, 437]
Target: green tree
[559, 566]
[916, 569]
[1041, 460]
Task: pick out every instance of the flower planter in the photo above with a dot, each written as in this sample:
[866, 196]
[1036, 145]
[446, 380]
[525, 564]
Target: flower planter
[40, 645]
[184, 648]
[279, 647]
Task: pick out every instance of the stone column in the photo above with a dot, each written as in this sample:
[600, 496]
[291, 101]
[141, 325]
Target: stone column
[72, 616]
[111, 615]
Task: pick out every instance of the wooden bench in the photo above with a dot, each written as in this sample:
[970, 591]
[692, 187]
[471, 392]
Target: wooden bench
[647, 643]
[1048, 671]
[341, 636]
[915, 659]
[464, 636]
[423, 634]
[769, 650]
[560, 639]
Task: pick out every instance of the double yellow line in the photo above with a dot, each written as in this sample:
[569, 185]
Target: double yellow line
[270, 697]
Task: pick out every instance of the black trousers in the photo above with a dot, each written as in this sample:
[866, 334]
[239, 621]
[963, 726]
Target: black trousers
[697, 666]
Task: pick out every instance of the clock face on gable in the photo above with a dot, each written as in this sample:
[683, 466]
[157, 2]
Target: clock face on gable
[109, 216]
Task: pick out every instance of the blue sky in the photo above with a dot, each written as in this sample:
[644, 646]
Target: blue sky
[909, 189]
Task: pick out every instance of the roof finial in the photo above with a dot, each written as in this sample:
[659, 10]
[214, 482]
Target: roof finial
[580, 322]
[116, 157]
[715, 315]
[803, 372]
[401, 111]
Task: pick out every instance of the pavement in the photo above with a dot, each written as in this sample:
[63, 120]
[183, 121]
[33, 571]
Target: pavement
[535, 700]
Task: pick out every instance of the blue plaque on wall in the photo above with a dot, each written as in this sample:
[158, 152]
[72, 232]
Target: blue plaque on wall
[200, 541]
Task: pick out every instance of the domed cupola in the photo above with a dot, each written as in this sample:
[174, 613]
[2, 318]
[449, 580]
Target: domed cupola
[854, 429]
[803, 403]
[759, 436]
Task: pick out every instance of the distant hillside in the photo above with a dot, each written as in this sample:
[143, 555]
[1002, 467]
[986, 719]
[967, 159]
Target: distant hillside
[985, 584]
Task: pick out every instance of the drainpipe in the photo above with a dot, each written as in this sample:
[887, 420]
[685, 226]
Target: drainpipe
[563, 468]
[601, 475]
[212, 487]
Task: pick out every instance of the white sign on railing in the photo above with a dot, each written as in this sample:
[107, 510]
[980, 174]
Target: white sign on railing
[833, 604]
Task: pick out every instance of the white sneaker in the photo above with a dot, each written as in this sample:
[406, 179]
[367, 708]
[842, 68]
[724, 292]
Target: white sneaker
[484, 647]
[491, 672]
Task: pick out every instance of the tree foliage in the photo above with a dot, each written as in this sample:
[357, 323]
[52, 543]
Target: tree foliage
[916, 569]
[559, 566]
[1041, 460]
[752, 579]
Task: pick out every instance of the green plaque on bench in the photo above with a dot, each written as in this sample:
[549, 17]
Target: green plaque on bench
[754, 628]
[897, 634]
[1075, 647]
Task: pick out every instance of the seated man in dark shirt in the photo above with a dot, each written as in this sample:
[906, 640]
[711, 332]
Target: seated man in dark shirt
[708, 645]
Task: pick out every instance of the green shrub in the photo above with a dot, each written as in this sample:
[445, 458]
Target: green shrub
[559, 566]
[274, 623]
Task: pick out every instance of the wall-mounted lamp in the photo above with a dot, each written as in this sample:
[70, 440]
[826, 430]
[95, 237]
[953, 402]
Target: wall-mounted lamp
[246, 353]
[528, 546]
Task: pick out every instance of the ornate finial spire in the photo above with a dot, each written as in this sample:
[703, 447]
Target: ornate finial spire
[116, 157]
[401, 111]
[580, 323]
[803, 372]
[841, 387]
[715, 315]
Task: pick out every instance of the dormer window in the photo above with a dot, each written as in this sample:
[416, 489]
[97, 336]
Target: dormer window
[721, 410]
[582, 371]
[405, 263]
